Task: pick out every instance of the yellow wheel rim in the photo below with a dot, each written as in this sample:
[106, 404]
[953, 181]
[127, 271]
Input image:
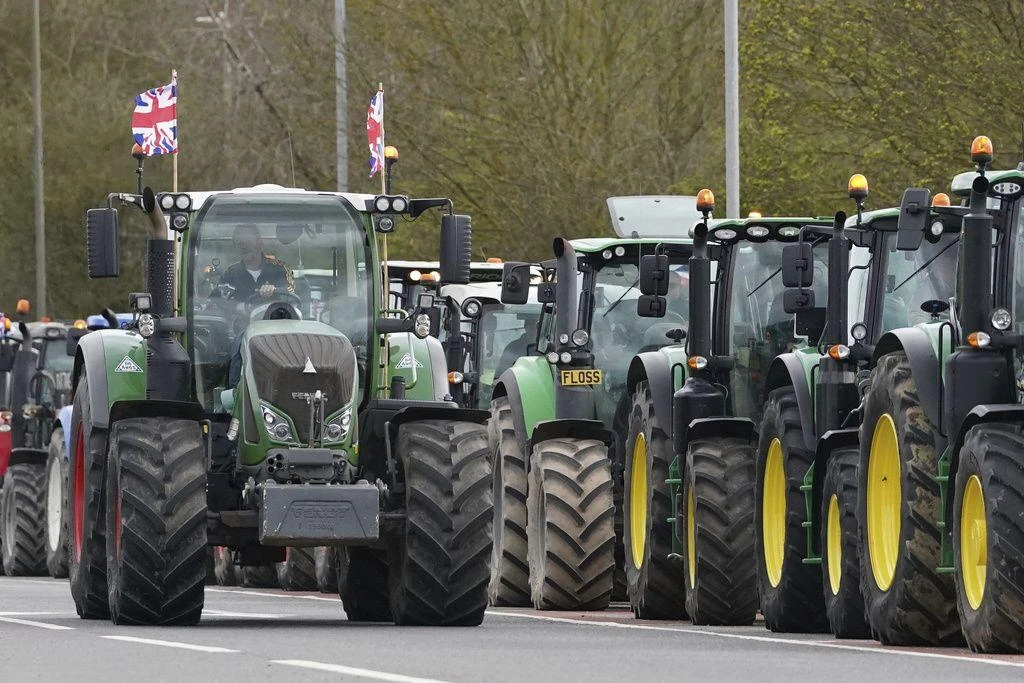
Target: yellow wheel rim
[773, 513]
[835, 545]
[691, 537]
[885, 501]
[638, 501]
[973, 542]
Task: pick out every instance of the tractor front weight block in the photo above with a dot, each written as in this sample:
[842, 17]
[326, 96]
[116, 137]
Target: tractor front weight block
[302, 515]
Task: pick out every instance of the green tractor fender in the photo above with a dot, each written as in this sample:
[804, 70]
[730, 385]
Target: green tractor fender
[115, 361]
[664, 371]
[796, 369]
[530, 387]
[421, 362]
[921, 344]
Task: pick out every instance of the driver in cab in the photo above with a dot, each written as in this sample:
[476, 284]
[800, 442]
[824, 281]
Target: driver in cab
[255, 273]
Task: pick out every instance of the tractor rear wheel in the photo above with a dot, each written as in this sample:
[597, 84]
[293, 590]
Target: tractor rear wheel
[258, 576]
[87, 565]
[440, 567]
[156, 521]
[790, 590]
[718, 511]
[363, 583]
[325, 562]
[571, 525]
[898, 515]
[23, 518]
[654, 582]
[510, 570]
[298, 571]
[57, 507]
[840, 554]
[224, 570]
[988, 538]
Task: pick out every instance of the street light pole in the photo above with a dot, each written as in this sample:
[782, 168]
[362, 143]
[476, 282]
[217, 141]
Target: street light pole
[732, 110]
[37, 101]
[341, 95]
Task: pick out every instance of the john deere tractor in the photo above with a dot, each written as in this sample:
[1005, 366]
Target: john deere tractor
[941, 488]
[693, 420]
[225, 416]
[806, 478]
[558, 414]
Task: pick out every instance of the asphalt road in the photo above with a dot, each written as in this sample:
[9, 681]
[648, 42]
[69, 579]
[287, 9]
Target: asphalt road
[268, 634]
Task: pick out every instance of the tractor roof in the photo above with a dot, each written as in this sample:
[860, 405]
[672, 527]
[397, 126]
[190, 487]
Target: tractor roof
[877, 219]
[199, 198]
[961, 184]
[590, 245]
[664, 216]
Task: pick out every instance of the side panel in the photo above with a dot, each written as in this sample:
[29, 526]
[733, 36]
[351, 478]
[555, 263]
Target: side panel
[410, 357]
[115, 361]
[795, 369]
[657, 368]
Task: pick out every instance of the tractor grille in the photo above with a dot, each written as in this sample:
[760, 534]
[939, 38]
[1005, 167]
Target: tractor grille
[278, 364]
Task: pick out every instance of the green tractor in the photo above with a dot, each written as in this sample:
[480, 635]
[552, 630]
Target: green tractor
[223, 416]
[940, 504]
[693, 420]
[558, 414]
[806, 477]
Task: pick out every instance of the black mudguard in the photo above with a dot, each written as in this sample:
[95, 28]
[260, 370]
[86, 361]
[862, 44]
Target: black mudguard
[654, 367]
[722, 427]
[1005, 413]
[787, 370]
[574, 429]
[923, 364]
[829, 442]
[28, 456]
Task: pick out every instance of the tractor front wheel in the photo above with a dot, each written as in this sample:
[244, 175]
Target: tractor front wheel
[840, 554]
[510, 570]
[363, 583]
[156, 521]
[571, 525]
[440, 566]
[298, 571]
[57, 507]
[718, 511]
[988, 538]
[23, 516]
[325, 562]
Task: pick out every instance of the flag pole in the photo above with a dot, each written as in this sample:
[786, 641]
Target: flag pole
[385, 284]
[177, 134]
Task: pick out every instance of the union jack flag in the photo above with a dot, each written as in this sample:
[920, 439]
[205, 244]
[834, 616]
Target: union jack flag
[155, 121]
[375, 132]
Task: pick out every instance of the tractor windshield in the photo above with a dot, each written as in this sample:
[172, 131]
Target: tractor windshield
[505, 332]
[915, 277]
[253, 250]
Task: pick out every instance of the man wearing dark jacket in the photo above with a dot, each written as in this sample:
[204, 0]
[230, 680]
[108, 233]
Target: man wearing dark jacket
[255, 272]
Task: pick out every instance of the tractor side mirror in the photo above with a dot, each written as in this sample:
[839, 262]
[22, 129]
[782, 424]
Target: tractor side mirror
[515, 283]
[810, 323]
[456, 249]
[797, 265]
[651, 305]
[73, 337]
[102, 237]
[654, 275]
[797, 300]
[914, 218]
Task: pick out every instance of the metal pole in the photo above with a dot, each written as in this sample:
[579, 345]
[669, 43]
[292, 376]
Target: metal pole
[732, 110]
[341, 94]
[37, 101]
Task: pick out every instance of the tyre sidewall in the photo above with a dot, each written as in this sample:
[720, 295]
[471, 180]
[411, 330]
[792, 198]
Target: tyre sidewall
[57, 557]
[845, 609]
[639, 424]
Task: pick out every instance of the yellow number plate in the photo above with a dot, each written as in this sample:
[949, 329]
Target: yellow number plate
[581, 378]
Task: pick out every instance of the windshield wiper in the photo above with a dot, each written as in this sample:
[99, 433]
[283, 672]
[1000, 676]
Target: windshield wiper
[619, 300]
[925, 265]
[764, 282]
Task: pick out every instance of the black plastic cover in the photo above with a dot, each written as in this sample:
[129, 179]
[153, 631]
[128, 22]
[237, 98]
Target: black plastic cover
[102, 236]
[797, 265]
[456, 249]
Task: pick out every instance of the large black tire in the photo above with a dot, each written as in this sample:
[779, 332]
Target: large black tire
[790, 590]
[57, 517]
[325, 561]
[156, 521]
[87, 561]
[510, 569]
[571, 525]
[298, 571]
[654, 582]
[620, 428]
[224, 570]
[363, 584]
[23, 518]
[718, 546]
[844, 605]
[258, 576]
[918, 605]
[990, 463]
[440, 567]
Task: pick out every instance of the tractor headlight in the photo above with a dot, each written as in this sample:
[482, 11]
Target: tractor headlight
[147, 325]
[337, 429]
[471, 308]
[936, 228]
[552, 357]
[183, 202]
[1001, 319]
[566, 357]
[382, 204]
[620, 251]
[725, 234]
[179, 222]
[563, 338]
[399, 204]
[859, 331]
[277, 426]
[757, 232]
[422, 326]
[789, 231]
[580, 337]
[606, 254]
[167, 202]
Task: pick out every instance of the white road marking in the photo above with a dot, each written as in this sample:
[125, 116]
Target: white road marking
[272, 595]
[830, 644]
[18, 581]
[37, 624]
[172, 643]
[207, 612]
[37, 614]
[353, 671]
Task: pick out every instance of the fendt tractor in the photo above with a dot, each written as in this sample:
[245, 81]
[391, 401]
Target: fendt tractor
[806, 477]
[940, 503]
[693, 420]
[225, 416]
[558, 414]
[39, 385]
